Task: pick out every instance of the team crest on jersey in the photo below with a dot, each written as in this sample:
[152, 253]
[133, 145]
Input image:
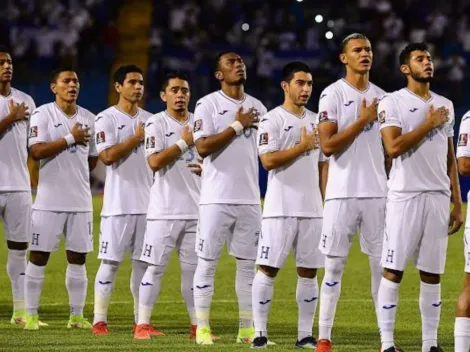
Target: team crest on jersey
[382, 116]
[100, 137]
[197, 125]
[323, 116]
[150, 143]
[33, 131]
[263, 138]
[463, 139]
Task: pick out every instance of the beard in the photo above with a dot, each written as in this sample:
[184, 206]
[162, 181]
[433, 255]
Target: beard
[418, 78]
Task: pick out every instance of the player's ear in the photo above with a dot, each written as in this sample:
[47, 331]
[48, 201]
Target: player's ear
[52, 86]
[118, 87]
[219, 75]
[343, 59]
[405, 69]
[284, 85]
[163, 96]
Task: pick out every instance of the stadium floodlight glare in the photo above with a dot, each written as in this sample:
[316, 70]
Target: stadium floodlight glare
[319, 18]
[330, 23]
[245, 27]
[299, 0]
[329, 35]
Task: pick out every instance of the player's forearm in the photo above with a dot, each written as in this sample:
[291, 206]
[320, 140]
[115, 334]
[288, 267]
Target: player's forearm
[92, 161]
[47, 150]
[341, 140]
[5, 123]
[119, 151]
[405, 142]
[456, 197]
[159, 160]
[208, 145]
[323, 169]
[464, 166]
[281, 158]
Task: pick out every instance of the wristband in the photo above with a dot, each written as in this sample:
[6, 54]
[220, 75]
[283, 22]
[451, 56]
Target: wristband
[182, 145]
[69, 139]
[238, 127]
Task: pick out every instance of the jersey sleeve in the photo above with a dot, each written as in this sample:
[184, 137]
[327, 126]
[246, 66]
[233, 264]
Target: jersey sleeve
[327, 107]
[203, 123]
[268, 136]
[105, 133]
[38, 132]
[388, 113]
[451, 124]
[92, 151]
[154, 139]
[463, 145]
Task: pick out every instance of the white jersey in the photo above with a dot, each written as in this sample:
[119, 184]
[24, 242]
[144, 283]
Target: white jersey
[359, 170]
[423, 168]
[175, 191]
[293, 189]
[463, 147]
[128, 181]
[230, 175]
[14, 174]
[64, 179]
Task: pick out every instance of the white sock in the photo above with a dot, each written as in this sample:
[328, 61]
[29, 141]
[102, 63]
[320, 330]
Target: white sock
[307, 299]
[262, 297]
[138, 271]
[76, 282]
[187, 278]
[149, 292]
[16, 268]
[243, 287]
[104, 285]
[376, 272]
[430, 307]
[329, 295]
[34, 281]
[204, 290]
[462, 334]
[387, 307]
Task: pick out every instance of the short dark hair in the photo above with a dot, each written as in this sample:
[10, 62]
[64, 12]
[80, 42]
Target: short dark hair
[120, 74]
[4, 49]
[218, 57]
[350, 37]
[291, 68]
[405, 54]
[55, 74]
[173, 75]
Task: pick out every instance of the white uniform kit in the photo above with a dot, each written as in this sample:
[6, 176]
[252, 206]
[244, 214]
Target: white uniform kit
[293, 209]
[63, 203]
[357, 182]
[15, 185]
[419, 187]
[127, 187]
[173, 208]
[230, 199]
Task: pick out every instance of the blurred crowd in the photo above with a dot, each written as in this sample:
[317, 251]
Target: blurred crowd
[186, 34]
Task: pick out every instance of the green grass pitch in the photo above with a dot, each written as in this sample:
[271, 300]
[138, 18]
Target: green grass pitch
[355, 325]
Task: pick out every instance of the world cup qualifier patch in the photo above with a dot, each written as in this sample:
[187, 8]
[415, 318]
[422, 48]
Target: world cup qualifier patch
[33, 131]
[100, 137]
[197, 125]
[382, 116]
[463, 139]
[263, 138]
[323, 116]
[150, 142]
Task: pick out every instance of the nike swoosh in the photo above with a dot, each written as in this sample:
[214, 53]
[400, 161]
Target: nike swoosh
[437, 304]
[264, 302]
[202, 287]
[310, 300]
[59, 124]
[390, 306]
[105, 282]
[331, 284]
[146, 284]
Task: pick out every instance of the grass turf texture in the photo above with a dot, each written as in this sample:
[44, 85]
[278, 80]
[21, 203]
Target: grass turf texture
[355, 325]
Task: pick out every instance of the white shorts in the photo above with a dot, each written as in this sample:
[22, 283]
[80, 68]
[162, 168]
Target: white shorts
[417, 228]
[280, 235]
[48, 227]
[466, 239]
[238, 225]
[163, 236]
[342, 218]
[121, 234]
[15, 212]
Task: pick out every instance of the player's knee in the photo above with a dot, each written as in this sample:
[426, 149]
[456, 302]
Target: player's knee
[268, 270]
[76, 258]
[39, 258]
[307, 273]
[393, 275]
[207, 266]
[335, 265]
[429, 278]
[17, 246]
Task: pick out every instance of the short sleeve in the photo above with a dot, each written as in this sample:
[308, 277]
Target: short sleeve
[327, 107]
[388, 113]
[31, 104]
[203, 123]
[450, 125]
[463, 145]
[268, 136]
[38, 132]
[154, 140]
[105, 133]
[92, 151]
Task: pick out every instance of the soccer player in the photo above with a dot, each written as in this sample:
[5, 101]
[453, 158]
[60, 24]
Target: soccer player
[119, 132]
[174, 198]
[417, 129]
[293, 207]
[15, 185]
[462, 321]
[225, 136]
[60, 138]
[357, 181]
